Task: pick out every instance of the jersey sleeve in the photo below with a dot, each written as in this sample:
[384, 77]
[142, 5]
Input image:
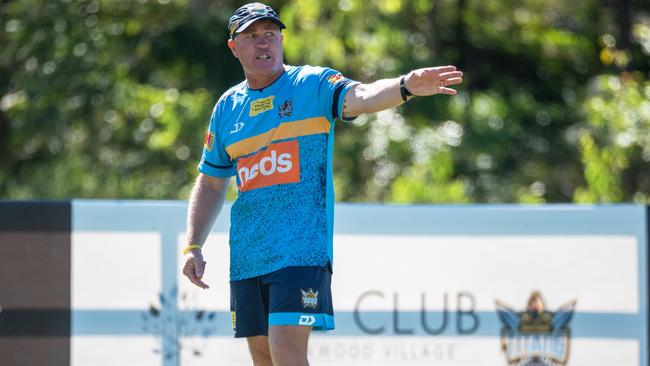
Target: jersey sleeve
[332, 89]
[215, 161]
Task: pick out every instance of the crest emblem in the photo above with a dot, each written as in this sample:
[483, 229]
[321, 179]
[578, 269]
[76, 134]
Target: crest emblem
[536, 336]
[285, 109]
[309, 298]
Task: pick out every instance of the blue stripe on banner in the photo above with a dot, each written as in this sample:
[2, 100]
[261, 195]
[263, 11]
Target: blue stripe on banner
[134, 322]
[584, 325]
[551, 219]
[139, 216]
[360, 219]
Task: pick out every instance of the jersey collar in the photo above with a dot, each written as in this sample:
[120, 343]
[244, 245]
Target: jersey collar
[273, 87]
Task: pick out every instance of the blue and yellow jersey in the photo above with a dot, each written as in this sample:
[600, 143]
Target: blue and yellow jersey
[278, 143]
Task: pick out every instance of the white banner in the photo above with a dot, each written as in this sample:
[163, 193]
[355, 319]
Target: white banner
[473, 285]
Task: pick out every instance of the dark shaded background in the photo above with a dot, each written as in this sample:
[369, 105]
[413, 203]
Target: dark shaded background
[110, 99]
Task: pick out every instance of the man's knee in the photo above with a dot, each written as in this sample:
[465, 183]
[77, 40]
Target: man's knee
[289, 345]
[259, 349]
[261, 355]
[285, 348]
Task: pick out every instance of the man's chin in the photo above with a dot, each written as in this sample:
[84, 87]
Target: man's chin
[265, 70]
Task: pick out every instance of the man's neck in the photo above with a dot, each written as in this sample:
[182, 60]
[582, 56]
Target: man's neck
[262, 82]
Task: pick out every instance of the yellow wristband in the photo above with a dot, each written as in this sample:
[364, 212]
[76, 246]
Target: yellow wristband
[190, 247]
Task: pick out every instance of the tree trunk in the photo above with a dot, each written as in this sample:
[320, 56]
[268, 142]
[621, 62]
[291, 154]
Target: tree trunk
[433, 40]
[624, 21]
[464, 57]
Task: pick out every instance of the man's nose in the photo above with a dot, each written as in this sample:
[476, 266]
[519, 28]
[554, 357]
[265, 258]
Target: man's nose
[262, 43]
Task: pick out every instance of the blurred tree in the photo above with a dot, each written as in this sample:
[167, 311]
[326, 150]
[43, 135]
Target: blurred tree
[430, 182]
[110, 99]
[107, 98]
[527, 66]
[615, 145]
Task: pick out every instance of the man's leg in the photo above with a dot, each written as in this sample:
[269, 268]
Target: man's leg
[248, 304]
[300, 300]
[259, 348]
[289, 344]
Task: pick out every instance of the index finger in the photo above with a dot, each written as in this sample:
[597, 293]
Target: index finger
[189, 272]
[440, 69]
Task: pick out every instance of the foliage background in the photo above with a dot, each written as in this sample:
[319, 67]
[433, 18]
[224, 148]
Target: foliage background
[111, 98]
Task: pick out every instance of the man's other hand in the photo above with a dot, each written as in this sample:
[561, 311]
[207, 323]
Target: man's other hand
[194, 268]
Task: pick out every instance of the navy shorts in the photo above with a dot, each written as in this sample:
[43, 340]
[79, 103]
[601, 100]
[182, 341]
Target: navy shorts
[289, 296]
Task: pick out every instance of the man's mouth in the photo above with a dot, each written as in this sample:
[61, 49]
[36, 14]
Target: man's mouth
[263, 57]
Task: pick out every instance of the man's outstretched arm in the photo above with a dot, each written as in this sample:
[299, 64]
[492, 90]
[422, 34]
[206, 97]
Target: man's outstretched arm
[206, 201]
[385, 93]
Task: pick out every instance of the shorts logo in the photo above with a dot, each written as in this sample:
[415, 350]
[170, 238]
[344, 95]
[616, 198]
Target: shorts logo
[233, 315]
[536, 336]
[307, 320]
[261, 105]
[309, 299]
[277, 164]
[209, 141]
[335, 78]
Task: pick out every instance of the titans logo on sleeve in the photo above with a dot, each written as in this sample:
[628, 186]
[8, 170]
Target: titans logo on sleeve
[278, 143]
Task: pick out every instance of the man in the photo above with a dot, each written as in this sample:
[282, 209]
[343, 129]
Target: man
[274, 133]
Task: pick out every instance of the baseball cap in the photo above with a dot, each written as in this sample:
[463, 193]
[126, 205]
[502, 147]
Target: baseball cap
[250, 13]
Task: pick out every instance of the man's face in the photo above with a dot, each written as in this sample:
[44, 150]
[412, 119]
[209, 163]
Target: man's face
[259, 49]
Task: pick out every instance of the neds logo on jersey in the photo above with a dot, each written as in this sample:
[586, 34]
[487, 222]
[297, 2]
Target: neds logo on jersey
[278, 164]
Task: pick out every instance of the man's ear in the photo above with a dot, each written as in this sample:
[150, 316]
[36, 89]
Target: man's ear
[231, 45]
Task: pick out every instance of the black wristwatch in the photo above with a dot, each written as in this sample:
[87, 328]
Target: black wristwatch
[402, 89]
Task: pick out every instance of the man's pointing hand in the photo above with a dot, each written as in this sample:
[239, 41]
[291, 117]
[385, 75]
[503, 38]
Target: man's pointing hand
[194, 268]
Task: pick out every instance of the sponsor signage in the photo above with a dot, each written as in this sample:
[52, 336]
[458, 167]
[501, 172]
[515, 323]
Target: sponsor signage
[261, 105]
[470, 285]
[277, 164]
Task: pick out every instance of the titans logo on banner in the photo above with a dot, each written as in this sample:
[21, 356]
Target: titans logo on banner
[536, 336]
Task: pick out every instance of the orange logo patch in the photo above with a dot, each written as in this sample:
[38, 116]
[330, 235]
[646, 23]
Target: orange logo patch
[209, 141]
[277, 164]
[335, 78]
